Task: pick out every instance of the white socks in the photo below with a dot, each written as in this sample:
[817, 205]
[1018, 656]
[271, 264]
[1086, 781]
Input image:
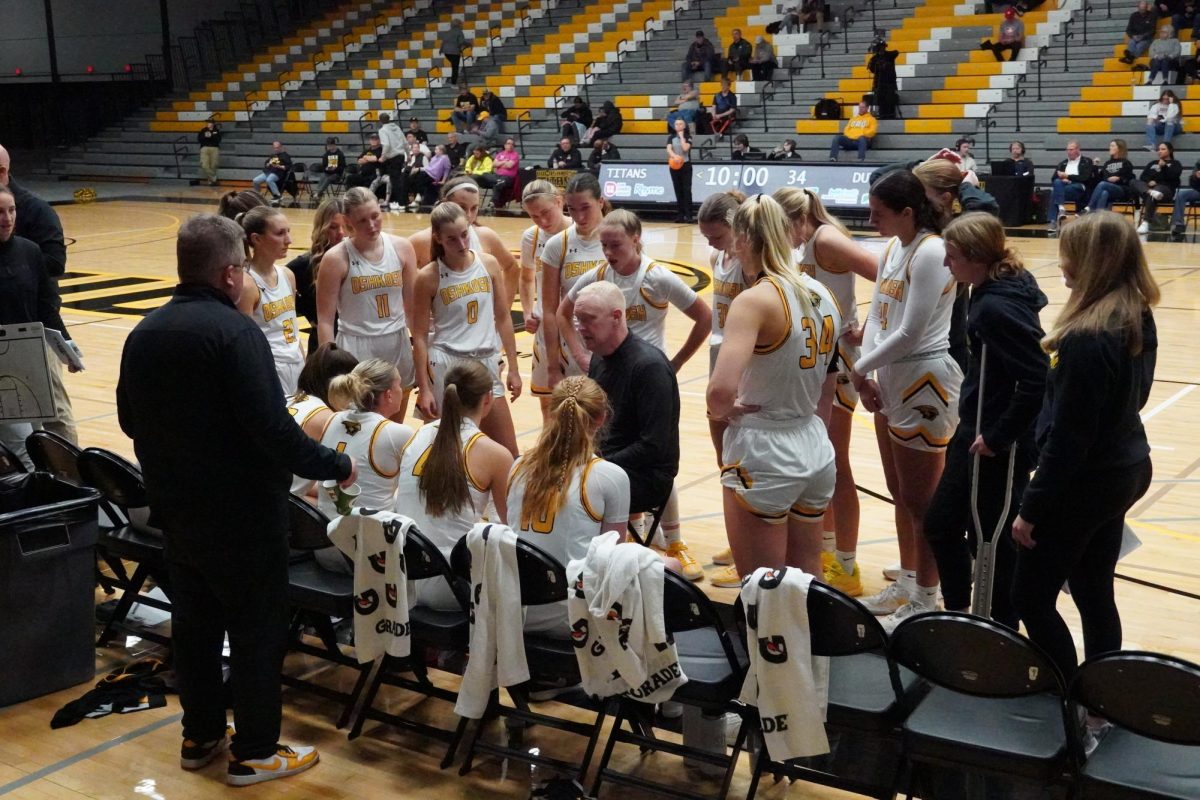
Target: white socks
[924, 596]
[847, 560]
[828, 542]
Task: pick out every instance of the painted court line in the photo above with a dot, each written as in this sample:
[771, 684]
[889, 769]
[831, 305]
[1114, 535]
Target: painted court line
[86, 754]
[1165, 404]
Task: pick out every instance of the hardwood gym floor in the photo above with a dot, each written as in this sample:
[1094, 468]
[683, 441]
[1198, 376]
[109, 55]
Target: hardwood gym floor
[121, 264]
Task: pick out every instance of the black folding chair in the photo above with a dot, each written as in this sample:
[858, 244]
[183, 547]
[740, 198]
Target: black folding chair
[715, 667]
[869, 696]
[318, 596]
[551, 660]
[134, 539]
[445, 632]
[997, 707]
[1153, 750]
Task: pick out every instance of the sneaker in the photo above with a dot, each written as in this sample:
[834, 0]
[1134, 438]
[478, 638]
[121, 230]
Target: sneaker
[691, 567]
[194, 755]
[887, 601]
[283, 762]
[725, 557]
[902, 613]
[413, 206]
[1177, 230]
[1052, 227]
[891, 573]
[851, 584]
[670, 709]
[394, 206]
[1144, 227]
[726, 578]
[827, 560]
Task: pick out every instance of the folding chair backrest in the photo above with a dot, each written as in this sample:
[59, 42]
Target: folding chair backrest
[1152, 695]
[52, 453]
[9, 463]
[840, 625]
[543, 579]
[686, 608]
[423, 560]
[118, 481]
[307, 527]
[974, 656]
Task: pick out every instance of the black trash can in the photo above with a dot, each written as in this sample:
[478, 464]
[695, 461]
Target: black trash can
[48, 535]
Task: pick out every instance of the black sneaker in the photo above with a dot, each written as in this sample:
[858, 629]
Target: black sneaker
[283, 762]
[194, 755]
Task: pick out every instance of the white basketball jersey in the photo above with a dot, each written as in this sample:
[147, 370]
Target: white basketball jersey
[302, 407]
[784, 378]
[573, 256]
[838, 280]
[648, 293]
[464, 321]
[533, 243]
[276, 317]
[375, 443]
[473, 239]
[444, 531]
[371, 300]
[892, 287]
[728, 282]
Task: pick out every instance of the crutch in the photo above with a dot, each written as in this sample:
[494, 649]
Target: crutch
[985, 548]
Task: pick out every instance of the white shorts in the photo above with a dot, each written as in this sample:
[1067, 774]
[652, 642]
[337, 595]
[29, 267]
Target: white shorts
[440, 362]
[394, 348]
[780, 471]
[845, 396]
[540, 376]
[289, 375]
[920, 400]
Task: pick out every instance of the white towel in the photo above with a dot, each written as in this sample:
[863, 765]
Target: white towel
[616, 612]
[374, 541]
[497, 635]
[789, 686]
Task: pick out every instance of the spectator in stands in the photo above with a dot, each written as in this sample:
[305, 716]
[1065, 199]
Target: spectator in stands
[699, 58]
[492, 104]
[686, 104]
[411, 141]
[786, 151]
[1157, 184]
[606, 124]
[1021, 164]
[414, 163]
[790, 22]
[602, 150]
[1140, 31]
[742, 151]
[392, 160]
[963, 147]
[1189, 67]
[679, 159]
[1115, 175]
[209, 140]
[812, 12]
[1188, 17]
[1168, 9]
[762, 60]
[466, 107]
[333, 166]
[576, 119]
[414, 127]
[1162, 121]
[724, 109]
[368, 163]
[274, 172]
[455, 150]
[1012, 37]
[506, 164]
[1164, 56]
[479, 163]
[1070, 184]
[425, 183]
[1183, 199]
[565, 156]
[737, 58]
[857, 135]
[487, 128]
[453, 43]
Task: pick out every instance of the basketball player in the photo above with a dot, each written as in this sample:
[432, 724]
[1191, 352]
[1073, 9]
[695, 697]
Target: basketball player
[464, 192]
[567, 256]
[780, 338]
[328, 228]
[825, 251]
[715, 221]
[366, 398]
[648, 288]
[309, 406]
[458, 317]
[365, 283]
[269, 291]
[915, 392]
[560, 495]
[450, 470]
[544, 204]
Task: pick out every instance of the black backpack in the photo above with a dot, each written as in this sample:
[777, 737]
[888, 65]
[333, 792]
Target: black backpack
[827, 108]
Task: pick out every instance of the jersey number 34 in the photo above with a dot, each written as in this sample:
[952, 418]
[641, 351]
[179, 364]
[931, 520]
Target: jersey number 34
[816, 346]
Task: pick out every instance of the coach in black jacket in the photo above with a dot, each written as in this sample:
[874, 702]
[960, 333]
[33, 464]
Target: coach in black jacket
[199, 397]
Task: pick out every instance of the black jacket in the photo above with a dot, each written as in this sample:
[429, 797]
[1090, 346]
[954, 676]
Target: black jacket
[571, 159]
[1090, 420]
[1003, 314]
[278, 164]
[608, 122]
[1086, 167]
[37, 222]
[209, 138]
[580, 114]
[495, 107]
[306, 290]
[1194, 178]
[199, 397]
[1165, 176]
[333, 163]
[597, 157]
[1121, 168]
[27, 294]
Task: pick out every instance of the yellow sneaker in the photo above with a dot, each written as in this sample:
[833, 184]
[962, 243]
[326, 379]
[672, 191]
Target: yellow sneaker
[724, 558]
[835, 576]
[691, 567]
[827, 558]
[726, 578]
[283, 762]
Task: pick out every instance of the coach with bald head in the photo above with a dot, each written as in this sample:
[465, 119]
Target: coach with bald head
[642, 432]
[199, 396]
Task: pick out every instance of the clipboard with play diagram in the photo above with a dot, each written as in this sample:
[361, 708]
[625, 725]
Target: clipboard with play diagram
[24, 374]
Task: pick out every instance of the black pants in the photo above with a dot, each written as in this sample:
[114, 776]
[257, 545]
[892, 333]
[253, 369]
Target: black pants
[236, 585]
[950, 528]
[394, 169]
[681, 179]
[998, 50]
[1079, 541]
[1149, 204]
[647, 489]
[453, 59]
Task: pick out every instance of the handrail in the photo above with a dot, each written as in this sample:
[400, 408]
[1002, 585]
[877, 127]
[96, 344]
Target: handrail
[495, 37]
[523, 15]
[823, 42]
[365, 128]
[1087, 9]
[179, 148]
[558, 97]
[1041, 62]
[646, 36]
[429, 83]
[345, 45]
[848, 17]
[588, 73]
[522, 124]
[1018, 93]
[621, 57]
[248, 100]
[396, 98]
[767, 93]
[1068, 35]
[317, 72]
[795, 67]
[988, 123]
[385, 24]
[282, 84]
